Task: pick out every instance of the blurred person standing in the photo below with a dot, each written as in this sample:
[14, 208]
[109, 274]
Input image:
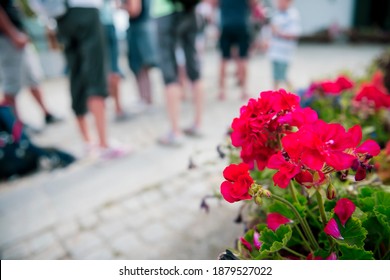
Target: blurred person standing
[285, 29]
[176, 24]
[142, 53]
[81, 32]
[112, 50]
[235, 33]
[17, 59]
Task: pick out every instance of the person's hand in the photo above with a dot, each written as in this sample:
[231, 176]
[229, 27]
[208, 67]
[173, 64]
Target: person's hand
[19, 39]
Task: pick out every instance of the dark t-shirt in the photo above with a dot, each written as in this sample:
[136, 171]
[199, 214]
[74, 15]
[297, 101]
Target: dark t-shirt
[234, 12]
[12, 12]
[144, 15]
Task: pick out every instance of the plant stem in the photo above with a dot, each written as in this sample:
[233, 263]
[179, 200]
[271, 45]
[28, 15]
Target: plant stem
[304, 224]
[294, 252]
[293, 192]
[321, 208]
[305, 242]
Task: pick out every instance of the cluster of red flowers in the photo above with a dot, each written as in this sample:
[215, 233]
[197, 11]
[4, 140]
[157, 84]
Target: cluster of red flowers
[373, 94]
[331, 87]
[318, 149]
[262, 123]
[265, 133]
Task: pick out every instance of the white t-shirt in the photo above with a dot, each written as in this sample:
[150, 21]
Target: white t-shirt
[287, 22]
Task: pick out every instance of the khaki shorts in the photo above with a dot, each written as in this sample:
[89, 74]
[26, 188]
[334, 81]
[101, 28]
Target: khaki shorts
[16, 69]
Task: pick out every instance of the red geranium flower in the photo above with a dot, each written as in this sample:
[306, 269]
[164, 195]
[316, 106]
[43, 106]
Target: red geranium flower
[344, 209]
[370, 93]
[237, 184]
[256, 240]
[246, 244]
[332, 229]
[275, 220]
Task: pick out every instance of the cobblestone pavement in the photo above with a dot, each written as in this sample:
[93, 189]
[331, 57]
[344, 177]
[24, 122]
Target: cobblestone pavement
[145, 206]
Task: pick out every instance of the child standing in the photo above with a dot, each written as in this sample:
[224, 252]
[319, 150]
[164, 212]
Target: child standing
[285, 30]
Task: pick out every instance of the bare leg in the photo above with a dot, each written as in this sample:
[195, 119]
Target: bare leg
[173, 99]
[113, 81]
[183, 80]
[242, 77]
[198, 102]
[144, 86]
[222, 77]
[97, 107]
[83, 126]
[38, 96]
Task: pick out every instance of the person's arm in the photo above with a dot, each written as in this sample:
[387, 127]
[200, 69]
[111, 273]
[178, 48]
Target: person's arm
[19, 39]
[133, 7]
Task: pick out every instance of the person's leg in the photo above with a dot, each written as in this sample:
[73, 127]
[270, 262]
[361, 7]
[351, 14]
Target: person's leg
[144, 86]
[193, 68]
[37, 94]
[173, 90]
[96, 105]
[197, 88]
[113, 82]
[83, 127]
[243, 41]
[225, 45]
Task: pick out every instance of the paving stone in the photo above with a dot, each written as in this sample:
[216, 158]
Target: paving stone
[128, 244]
[179, 222]
[41, 242]
[80, 245]
[100, 253]
[135, 221]
[88, 221]
[111, 212]
[132, 204]
[111, 228]
[155, 232]
[18, 251]
[53, 252]
[66, 229]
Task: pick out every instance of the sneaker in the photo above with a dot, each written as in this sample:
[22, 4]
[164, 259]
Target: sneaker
[193, 131]
[32, 130]
[122, 117]
[171, 140]
[51, 119]
[114, 152]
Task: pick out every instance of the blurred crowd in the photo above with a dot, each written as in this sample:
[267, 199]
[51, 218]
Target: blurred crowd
[168, 34]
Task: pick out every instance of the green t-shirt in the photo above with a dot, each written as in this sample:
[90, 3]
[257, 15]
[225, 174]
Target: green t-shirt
[162, 8]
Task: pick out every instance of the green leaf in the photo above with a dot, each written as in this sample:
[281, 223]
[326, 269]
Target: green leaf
[382, 198]
[353, 233]
[354, 253]
[282, 209]
[382, 212]
[274, 241]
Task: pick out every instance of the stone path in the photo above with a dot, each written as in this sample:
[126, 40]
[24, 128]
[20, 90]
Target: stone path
[145, 206]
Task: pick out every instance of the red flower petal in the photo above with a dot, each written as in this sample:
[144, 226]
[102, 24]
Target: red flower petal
[344, 209]
[332, 229]
[369, 147]
[355, 134]
[246, 244]
[275, 220]
[225, 191]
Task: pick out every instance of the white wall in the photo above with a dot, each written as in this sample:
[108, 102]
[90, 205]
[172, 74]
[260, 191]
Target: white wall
[320, 14]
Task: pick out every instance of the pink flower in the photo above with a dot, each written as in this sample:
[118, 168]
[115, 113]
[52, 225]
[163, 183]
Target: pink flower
[332, 229]
[344, 82]
[344, 209]
[275, 220]
[332, 256]
[256, 240]
[246, 244]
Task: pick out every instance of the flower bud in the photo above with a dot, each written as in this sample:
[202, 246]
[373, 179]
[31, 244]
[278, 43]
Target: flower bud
[258, 200]
[331, 192]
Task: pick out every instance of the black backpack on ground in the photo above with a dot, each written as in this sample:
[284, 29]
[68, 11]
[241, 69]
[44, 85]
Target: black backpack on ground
[188, 5]
[18, 155]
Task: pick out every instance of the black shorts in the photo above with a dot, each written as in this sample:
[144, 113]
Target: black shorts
[82, 34]
[178, 29]
[234, 36]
